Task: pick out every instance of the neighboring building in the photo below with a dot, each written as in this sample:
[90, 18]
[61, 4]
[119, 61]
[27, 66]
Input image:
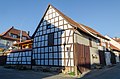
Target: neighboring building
[11, 36]
[21, 56]
[103, 47]
[24, 45]
[115, 48]
[117, 39]
[116, 53]
[59, 41]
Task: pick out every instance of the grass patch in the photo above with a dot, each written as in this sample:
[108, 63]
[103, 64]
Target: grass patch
[72, 73]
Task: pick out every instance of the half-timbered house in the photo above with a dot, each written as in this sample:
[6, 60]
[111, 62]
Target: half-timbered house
[59, 41]
[20, 57]
[11, 36]
[8, 38]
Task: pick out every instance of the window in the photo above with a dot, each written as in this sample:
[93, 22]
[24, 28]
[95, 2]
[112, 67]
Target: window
[49, 26]
[13, 35]
[51, 39]
[90, 42]
[24, 38]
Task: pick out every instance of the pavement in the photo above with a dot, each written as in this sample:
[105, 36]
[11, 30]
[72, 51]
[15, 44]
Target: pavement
[105, 73]
[29, 74]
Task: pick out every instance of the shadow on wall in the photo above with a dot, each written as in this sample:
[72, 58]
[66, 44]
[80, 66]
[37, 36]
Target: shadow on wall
[50, 46]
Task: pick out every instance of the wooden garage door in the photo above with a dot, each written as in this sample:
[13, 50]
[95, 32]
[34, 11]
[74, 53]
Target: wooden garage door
[82, 53]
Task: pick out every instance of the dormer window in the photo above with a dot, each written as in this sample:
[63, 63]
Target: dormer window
[48, 26]
[13, 35]
[24, 38]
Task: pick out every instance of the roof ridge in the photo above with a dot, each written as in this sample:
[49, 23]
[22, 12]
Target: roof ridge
[63, 14]
[74, 23]
[68, 19]
[95, 32]
[79, 25]
[7, 31]
[20, 30]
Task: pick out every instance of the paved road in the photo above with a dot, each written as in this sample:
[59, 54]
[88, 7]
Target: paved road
[107, 73]
[15, 74]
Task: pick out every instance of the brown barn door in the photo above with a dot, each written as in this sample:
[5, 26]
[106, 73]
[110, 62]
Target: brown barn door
[82, 53]
[87, 57]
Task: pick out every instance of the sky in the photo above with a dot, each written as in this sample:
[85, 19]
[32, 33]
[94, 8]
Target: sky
[101, 15]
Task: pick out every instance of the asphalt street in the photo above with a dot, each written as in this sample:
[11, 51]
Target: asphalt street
[106, 73]
[29, 74]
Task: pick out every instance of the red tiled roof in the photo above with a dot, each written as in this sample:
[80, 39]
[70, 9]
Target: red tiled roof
[82, 27]
[95, 32]
[69, 20]
[10, 38]
[72, 22]
[6, 31]
[114, 48]
[14, 31]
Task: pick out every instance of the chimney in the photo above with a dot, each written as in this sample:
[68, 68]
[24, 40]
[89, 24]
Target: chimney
[12, 26]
